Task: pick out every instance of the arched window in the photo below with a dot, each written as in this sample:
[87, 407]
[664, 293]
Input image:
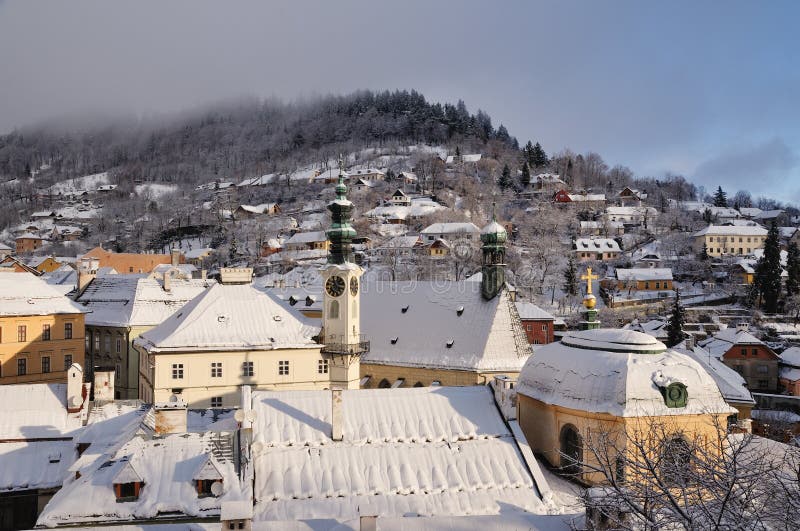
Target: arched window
[676, 461]
[419, 384]
[571, 449]
[384, 384]
[333, 310]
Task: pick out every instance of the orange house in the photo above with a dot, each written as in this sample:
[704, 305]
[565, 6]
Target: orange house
[28, 243]
[133, 262]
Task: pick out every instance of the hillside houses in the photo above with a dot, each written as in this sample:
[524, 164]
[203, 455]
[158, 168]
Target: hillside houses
[601, 249]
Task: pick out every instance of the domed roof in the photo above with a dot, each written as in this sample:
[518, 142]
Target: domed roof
[620, 372]
[493, 233]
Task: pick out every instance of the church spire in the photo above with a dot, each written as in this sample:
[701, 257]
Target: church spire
[493, 238]
[341, 233]
[589, 302]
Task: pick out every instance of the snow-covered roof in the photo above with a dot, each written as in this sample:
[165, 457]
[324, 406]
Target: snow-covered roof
[401, 242]
[259, 209]
[307, 237]
[34, 465]
[732, 230]
[428, 451]
[726, 338]
[166, 466]
[475, 157]
[529, 311]
[132, 300]
[600, 245]
[587, 197]
[230, 317]
[617, 372]
[731, 384]
[199, 252]
[451, 228]
[791, 356]
[750, 211]
[630, 211]
[411, 323]
[4, 247]
[644, 273]
[768, 214]
[35, 411]
[26, 294]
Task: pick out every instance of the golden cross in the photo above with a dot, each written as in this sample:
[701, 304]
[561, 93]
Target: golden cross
[588, 277]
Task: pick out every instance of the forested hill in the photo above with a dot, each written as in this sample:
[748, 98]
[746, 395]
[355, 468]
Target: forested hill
[244, 137]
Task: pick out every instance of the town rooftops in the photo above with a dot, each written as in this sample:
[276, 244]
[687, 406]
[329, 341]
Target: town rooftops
[128, 262]
[727, 338]
[731, 384]
[230, 317]
[307, 237]
[26, 294]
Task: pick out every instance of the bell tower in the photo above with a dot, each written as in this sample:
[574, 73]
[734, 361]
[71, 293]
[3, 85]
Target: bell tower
[493, 268]
[341, 317]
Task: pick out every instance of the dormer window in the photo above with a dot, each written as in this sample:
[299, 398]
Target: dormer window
[127, 483]
[208, 479]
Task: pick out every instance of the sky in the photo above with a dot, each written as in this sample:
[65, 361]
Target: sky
[709, 90]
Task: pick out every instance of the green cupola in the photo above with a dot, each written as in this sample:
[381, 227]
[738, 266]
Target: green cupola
[341, 233]
[493, 268]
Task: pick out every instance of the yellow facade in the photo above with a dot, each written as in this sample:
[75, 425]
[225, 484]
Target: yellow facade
[544, 424]
[729, 244]
[199, 378]
[424, 377]
[25, 347]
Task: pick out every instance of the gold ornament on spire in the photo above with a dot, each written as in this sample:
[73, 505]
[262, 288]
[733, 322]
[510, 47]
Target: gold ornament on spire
[589, 301]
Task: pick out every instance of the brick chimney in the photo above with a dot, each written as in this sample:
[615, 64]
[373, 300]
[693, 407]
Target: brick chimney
[176, 257]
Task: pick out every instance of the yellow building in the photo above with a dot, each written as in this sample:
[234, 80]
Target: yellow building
[41, 331]
[737, 240]
[232, 335]
[597, 390]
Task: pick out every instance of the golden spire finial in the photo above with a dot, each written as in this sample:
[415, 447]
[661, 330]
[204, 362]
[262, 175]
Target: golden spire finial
[589, 300]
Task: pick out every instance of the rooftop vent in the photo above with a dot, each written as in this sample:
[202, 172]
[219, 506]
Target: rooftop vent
[450, 343]
[292, 300]
[222, 318]
[310, 300]
[460, 310]
[394, 340]
[276, 317]
[404, 309]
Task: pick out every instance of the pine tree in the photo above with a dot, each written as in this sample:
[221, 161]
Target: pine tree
[526, 174]
[720, 198]
[539, 156]
[704, 253]
[707, 215]
[527, 153]
[571, 278]
[676, 322]
[505, 178]
[792, 270]
[768, 271]
[458, 154]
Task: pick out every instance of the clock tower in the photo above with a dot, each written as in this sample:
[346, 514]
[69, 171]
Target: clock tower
[341, 323]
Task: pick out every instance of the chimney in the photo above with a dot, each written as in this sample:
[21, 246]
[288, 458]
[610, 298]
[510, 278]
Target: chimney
[168, 276]
[87, 271]
[203, 274]
[367, 523]
[336, 414]
[104, 384]
[74, 388]
[236, 275]
[176, 257]
[170, 416]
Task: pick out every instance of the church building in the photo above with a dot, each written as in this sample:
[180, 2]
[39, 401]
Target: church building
[426, 333]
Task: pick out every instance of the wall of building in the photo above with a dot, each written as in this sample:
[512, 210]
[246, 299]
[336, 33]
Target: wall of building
[125, 360]
[33, 349]
[424, 376]
[733, 244]
[538, 332]
[306, 371]
[757, 364]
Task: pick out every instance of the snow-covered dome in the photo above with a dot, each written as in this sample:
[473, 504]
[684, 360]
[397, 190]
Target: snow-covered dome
[494, 233]
[620, 372]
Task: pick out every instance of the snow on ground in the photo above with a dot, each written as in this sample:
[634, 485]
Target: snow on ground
[87, 182]
[156, 190]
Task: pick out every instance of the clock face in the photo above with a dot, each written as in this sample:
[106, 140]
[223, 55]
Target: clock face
[335, 286]
[354, 286]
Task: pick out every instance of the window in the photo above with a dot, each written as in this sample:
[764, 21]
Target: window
[744, 352]
[322, 366]
[127, 491]
[119, 345]
[216, 401]
[46, 332]
[22, 366]
[177, 371]
[107, 342]
[754, 352]
[537, 342]
[529, 327]
[88, 341]
[676, 461]
[283, 368]
[544, 328]
[204, 485]
[117, 371]
[334, 310]
[45, 364]
[248, 369]
[216, 369]
[67, 330]
[646, 285]
[22, 333]
[96, 342]
[67, 361]
[658, 285]
[762, 369]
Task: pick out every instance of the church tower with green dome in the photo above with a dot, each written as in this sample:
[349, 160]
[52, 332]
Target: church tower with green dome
[493, 268]
[341, 312]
